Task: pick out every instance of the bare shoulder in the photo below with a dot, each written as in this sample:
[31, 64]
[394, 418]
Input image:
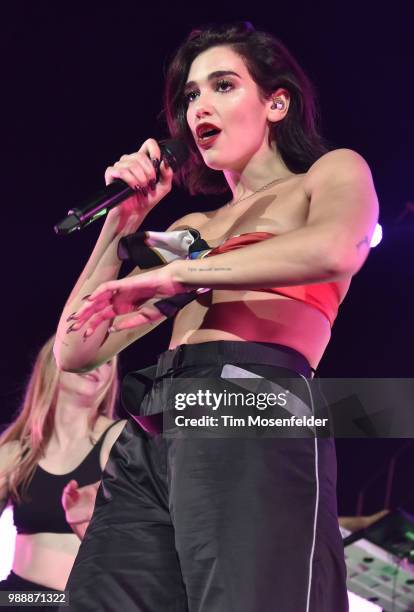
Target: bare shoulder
[337, 166]
[110, 439]
[102, 423]
[337, 159]
[115, 430]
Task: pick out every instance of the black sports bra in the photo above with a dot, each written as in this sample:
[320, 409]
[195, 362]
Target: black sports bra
[43, 511]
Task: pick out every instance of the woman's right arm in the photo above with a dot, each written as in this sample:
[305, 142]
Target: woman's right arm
[72, 351]
[111, 344]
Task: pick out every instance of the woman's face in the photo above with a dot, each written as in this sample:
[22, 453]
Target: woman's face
[221, 92]
[90, 385]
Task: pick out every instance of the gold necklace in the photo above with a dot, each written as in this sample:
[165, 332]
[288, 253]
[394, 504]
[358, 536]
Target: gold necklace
[257, 191]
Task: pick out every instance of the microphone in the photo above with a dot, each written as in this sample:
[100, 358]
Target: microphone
[173, 150]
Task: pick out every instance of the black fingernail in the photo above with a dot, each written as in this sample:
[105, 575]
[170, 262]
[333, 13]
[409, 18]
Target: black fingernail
[144, 191]
[85, 297]
[69, 329]
[71, 317]
[166, 164]
[155, 162]
[153, 184]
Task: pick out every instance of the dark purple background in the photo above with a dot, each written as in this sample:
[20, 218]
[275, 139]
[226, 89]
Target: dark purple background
[82, 85]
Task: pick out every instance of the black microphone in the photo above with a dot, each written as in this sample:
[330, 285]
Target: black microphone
[174, 151]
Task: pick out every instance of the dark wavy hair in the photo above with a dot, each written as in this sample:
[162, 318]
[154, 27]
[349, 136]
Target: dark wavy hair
[271, 66]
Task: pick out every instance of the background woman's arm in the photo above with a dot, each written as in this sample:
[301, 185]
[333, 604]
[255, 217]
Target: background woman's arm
[79, 503]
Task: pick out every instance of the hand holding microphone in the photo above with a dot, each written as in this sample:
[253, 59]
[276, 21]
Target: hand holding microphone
[149, 177]
[139, 181]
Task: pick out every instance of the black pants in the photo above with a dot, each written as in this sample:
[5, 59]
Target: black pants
[14, 582]
[213, 524]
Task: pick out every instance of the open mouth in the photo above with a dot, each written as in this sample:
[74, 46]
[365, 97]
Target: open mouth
[206, 131]
[207, 134]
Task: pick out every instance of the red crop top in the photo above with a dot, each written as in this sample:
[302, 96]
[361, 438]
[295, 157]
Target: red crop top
[148, 249]
[323, 296]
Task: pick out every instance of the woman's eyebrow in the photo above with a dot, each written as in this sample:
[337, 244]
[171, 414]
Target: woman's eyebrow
[211, 76]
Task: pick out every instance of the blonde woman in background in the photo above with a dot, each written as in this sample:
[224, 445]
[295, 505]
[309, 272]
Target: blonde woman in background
[51, 458]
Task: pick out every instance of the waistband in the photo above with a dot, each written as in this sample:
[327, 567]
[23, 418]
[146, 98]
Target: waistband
[19, 583]
[218, 351]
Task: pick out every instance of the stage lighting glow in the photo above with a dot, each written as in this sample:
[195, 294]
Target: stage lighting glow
[7, 539]
[377, 236]
[358, 604]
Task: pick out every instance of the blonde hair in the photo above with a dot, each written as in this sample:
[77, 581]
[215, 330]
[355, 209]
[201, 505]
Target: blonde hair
[34, 424]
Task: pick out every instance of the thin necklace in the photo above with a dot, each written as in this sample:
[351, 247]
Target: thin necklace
[281, 178]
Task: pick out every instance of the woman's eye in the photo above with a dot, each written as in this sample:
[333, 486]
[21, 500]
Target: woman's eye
[190, 96]
[221, 86]
[224, 86]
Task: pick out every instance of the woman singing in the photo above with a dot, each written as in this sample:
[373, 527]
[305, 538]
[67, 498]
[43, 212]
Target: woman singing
[222, 523]
[53, 453]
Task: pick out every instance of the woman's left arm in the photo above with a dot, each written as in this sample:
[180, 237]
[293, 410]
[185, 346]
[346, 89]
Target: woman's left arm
[334, 242]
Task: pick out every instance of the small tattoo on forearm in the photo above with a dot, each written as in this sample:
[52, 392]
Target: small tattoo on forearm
[192, 269]
[363, 241]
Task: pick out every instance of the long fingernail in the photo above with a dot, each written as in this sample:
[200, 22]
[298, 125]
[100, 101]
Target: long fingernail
[152, 184]
[73, 327]
[155, 162]
[88, 332]
[166, 164]
[71, 317]
[86, 297]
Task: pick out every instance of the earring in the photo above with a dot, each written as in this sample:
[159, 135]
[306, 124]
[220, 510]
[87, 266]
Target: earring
[277, 104]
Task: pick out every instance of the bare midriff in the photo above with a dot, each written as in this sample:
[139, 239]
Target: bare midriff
[257, 316]
[46, 558]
